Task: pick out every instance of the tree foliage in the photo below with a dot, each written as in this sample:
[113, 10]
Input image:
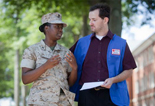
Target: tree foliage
[132, 7]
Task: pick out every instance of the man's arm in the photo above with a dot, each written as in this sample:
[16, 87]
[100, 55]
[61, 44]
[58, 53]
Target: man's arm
[121, 77]
[128, 66]
[29, 75]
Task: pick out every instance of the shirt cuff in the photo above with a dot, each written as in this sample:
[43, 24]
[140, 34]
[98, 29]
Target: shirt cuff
[28, 63]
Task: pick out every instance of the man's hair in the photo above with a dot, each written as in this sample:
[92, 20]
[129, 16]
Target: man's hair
[104, 10]
[41, 28]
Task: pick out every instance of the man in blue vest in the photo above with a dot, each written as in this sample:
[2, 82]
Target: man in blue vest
[102, 56]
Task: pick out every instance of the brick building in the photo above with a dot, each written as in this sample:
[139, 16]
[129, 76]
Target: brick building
[142, 83]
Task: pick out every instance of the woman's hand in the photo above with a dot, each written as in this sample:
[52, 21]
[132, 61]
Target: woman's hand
[53, 61]
[71, 60]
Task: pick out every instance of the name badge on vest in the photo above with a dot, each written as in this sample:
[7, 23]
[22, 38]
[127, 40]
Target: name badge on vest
[115, 51]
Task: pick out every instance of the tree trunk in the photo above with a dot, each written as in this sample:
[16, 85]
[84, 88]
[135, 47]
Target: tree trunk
[24, 90]
[16, 79]
[115, 24]
[16, 68]
[85, 29]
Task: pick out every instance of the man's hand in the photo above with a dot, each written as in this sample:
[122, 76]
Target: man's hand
[107, 83]
[121, 77]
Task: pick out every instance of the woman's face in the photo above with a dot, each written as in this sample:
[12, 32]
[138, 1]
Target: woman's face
[54, 32]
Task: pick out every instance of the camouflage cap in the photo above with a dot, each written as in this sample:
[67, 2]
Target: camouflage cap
[53, 18]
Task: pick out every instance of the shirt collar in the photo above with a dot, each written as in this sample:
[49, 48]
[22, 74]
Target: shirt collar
[109, 34]
[57, 47]
[43, 45]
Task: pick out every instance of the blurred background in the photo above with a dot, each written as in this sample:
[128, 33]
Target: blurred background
[133, 20]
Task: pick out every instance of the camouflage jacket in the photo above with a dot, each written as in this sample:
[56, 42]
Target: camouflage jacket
[46, 89]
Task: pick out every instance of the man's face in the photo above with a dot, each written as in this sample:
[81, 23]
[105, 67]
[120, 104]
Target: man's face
[55, 31]
[96, 23]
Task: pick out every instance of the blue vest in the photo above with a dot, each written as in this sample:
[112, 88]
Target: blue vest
[115, 53]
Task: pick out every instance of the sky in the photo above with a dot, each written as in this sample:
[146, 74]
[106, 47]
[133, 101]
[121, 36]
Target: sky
[6, 102]
[137, 34]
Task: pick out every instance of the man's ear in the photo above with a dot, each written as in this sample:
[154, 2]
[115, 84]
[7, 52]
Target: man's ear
[106, 19]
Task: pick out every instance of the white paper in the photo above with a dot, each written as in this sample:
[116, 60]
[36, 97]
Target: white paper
[90, 85]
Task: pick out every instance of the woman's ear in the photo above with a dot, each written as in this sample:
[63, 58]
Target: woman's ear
[46, 28]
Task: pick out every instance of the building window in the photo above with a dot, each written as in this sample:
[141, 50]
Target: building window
[137, 87]
[151, 103]
[141, 84]
[150, 54]
[145, 83]
[140, 62]
[144, 103]
[136, 69]
[151, 80]
[145, 60]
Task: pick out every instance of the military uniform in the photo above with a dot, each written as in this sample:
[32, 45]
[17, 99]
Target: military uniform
[51, 88]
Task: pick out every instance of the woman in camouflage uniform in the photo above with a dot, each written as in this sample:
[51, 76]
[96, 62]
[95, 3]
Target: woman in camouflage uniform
[51, 67]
